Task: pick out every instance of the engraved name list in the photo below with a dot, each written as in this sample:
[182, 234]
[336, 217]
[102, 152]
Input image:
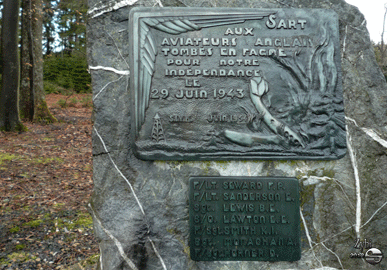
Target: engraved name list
[244, 218]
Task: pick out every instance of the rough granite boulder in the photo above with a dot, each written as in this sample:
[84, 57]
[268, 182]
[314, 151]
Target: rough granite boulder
[140, 208]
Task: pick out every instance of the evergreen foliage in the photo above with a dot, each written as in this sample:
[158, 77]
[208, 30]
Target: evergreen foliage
[67, 71]
[71, 20]
[66, 21]
[48, 25]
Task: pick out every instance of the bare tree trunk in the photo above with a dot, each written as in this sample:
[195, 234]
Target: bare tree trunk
[27, 64]
[48, 25]
[9, 107]
[382, 48]
[41, 112]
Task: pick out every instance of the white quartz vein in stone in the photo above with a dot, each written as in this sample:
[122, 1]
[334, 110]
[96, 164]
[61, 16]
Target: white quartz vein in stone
[325, 268]
[119, 51]
[345, 39]
[370, 133]
[310, 241]
[375, 136]
[102, 9]
[103, 88]
[357, 28]
[334, 253]
[312, 180]
[119, 171]
[238, 168]
[132, 190]
[120, 72]
[337, 234]
[380, 208]
[115, 240]
[157, 254]
[357, 184]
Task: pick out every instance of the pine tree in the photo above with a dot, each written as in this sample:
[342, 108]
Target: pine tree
[72, 25]
[48, 26]
[157, 130]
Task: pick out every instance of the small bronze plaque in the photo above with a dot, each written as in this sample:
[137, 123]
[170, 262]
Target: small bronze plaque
[244, 219]
[236, 84]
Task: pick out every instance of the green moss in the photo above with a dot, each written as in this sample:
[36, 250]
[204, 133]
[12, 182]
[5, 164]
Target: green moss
[7, 157]
[91, 260]
[11, 157]
[47, 160]
[329, 173]
[21, 128]
[20, 257]
[27, 208]
[307, 193]
[83, 221]
[25, 175]
[43, 115]
[177, 235]
[20, 247]
[33, 223]
[14, 229]
[59, 205]
[205, 166]
[18, 127]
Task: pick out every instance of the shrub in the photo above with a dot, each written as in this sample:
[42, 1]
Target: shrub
[50, 88]
[69, 72]
[62, 103]
[87, 102]
[73, 102]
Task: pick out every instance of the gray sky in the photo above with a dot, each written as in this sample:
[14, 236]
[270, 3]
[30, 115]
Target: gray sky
[373, 11]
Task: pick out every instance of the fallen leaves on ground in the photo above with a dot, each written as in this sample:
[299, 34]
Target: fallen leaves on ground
[45, 186]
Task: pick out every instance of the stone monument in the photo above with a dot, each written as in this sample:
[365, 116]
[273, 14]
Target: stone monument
[316, 172]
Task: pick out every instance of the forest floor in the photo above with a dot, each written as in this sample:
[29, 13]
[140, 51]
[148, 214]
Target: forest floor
[45, 187]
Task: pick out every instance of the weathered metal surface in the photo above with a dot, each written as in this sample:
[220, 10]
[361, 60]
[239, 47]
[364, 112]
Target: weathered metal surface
[220, 84]
[244, 219]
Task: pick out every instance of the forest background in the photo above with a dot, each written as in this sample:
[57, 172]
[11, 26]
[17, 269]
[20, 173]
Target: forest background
[45, 136]
[51, 41]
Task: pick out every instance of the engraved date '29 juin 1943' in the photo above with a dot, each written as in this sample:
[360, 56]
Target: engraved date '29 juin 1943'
[193, 87]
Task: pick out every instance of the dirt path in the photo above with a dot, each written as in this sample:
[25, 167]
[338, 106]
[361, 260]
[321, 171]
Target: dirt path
[45, 186]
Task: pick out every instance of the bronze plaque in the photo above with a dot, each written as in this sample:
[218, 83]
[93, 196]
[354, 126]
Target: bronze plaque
[244, 219]
[218, 84]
